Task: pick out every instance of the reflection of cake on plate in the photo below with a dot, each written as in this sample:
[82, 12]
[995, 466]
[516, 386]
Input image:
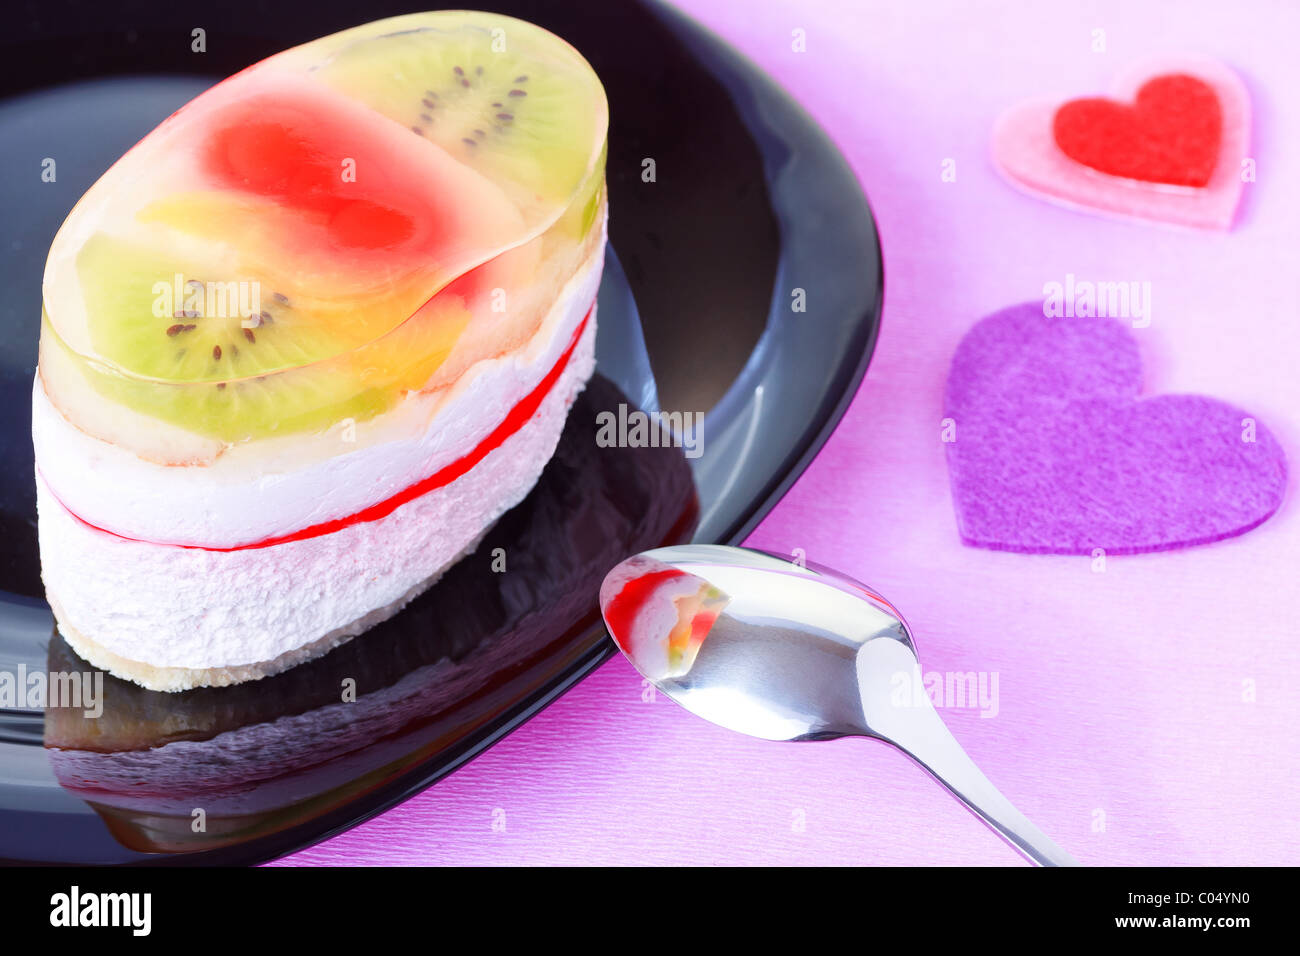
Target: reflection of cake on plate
[310, 338]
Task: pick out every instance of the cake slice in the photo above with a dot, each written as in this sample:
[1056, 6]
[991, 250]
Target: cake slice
[310, 338]
[263, 756]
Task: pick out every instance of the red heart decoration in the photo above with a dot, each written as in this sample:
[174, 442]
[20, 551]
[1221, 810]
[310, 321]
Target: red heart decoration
[1169, 135]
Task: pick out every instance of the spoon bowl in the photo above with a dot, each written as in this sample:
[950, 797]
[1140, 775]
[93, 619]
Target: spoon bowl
[787, 651]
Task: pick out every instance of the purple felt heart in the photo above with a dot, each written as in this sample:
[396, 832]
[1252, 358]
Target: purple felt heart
[1051, 451]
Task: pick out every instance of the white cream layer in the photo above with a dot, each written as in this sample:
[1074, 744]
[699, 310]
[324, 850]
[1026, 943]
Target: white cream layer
[239, 499]
[182, 607]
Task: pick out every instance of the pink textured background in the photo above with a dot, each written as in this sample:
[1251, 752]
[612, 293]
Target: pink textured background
[1122, 727]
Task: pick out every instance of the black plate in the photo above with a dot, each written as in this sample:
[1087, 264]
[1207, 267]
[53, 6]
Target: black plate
[750, 203]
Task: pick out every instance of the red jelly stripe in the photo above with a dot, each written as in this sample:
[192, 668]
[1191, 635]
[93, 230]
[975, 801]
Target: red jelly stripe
[631, 598]
[515, 420]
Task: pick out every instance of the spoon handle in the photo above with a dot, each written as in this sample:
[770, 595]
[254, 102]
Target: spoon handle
[915, 728]
[933, 746]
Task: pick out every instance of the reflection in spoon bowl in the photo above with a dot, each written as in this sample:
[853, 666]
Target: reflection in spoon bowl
[659, 615]
[215, 766]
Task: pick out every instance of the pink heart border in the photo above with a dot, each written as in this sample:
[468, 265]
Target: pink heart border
[1026, 154]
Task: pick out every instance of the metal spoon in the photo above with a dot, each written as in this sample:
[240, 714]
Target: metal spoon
[786, 652]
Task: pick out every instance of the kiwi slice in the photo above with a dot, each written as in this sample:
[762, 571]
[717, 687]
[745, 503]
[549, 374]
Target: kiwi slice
[313, 397]
[503, 96]
[160, 317]
[355, 385]
[284, 365]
